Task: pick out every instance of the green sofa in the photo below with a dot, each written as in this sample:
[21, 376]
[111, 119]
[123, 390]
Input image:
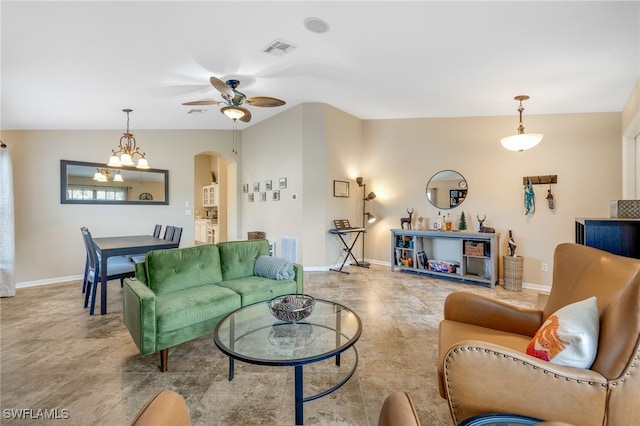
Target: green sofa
[181, 294]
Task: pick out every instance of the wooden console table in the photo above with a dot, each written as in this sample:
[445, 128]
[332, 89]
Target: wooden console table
[414, 247]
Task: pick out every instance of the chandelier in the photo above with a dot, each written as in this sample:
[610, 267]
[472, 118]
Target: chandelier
[127, 149]
[521, 141]
[103, 175]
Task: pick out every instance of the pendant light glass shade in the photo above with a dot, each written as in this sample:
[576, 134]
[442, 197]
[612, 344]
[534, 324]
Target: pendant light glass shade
[522, 141]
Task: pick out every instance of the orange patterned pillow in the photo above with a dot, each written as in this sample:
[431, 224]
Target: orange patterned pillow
[569, 336]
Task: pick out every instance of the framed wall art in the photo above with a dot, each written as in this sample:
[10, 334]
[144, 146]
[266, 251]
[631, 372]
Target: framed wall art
[267, 185]
[276, 195]
[340, 188]
[283, 183]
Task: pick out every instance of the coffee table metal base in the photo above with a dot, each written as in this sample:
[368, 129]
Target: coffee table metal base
[299, 388]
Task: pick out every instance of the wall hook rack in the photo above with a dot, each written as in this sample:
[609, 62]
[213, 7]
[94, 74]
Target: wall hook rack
[540, 180]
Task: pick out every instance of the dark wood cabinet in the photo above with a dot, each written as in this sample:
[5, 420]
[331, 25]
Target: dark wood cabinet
[618, 236]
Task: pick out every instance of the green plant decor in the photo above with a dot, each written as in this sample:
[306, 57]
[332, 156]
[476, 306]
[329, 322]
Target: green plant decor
[463, 222]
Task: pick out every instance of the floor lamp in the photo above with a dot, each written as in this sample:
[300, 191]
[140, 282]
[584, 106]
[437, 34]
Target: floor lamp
[366, 216]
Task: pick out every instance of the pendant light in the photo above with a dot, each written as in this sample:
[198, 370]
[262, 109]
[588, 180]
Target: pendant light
[128, 149]
[521, 141]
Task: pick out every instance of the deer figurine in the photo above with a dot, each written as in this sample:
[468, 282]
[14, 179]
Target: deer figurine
[406, 220]
[484, 228]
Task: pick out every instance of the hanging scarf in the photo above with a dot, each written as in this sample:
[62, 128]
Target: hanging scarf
[529, 198]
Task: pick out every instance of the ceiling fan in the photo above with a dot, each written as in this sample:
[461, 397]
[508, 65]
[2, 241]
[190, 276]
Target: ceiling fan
[234, 99]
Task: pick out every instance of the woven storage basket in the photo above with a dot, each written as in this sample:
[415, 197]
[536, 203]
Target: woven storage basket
[473, 248]
[512, 276]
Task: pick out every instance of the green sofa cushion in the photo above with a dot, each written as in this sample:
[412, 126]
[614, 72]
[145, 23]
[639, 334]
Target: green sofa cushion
[256, 289]
[237, 258]
[192, 306]
[183, 268]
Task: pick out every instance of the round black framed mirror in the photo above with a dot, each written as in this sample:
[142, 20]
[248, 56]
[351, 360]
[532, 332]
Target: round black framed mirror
[447, 189]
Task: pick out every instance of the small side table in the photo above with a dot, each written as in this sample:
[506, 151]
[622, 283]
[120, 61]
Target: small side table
[512, 272]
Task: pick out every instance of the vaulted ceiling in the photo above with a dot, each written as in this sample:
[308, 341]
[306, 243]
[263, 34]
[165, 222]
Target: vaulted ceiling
[76, 65]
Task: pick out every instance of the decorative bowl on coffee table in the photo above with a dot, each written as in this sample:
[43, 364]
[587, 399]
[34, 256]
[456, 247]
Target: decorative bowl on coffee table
[292, 307]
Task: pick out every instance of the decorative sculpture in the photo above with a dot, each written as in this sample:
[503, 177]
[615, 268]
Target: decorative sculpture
[483, 228]
[511, 249]
[406, 220]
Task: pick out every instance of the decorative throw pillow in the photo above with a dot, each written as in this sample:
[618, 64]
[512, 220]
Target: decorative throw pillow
[275, 268]
[570, 336]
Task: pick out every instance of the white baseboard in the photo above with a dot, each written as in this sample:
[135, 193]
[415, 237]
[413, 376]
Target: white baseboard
[48, 281]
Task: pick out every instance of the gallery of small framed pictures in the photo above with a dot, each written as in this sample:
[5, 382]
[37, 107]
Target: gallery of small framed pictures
[255, 194]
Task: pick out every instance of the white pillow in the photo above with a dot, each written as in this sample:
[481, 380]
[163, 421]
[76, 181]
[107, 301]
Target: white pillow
[569, 336]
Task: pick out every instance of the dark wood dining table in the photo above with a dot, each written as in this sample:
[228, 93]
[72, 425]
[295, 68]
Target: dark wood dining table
[122, 246]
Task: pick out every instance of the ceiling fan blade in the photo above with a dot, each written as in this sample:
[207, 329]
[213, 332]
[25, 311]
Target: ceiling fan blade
[222, 87]
[201, 103]
[265, 101]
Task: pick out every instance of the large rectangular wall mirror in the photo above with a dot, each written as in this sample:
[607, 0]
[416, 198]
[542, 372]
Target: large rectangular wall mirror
[95, 183]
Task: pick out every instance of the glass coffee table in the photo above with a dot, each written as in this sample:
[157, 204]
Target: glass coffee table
[252, 334]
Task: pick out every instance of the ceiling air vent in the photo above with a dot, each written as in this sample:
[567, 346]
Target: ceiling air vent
[279, 47]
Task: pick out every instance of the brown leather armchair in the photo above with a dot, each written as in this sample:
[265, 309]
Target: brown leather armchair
[484, 367]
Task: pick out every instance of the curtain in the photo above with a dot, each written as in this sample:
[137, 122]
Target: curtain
[7, 224]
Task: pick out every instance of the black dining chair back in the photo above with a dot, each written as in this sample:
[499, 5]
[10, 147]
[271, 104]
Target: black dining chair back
[118, 267]
[157, 230]
[177, 234]
[168, 232]
[86, 266]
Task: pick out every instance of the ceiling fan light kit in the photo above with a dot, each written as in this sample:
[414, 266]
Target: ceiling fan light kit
[127, 149]
[521, 141]
[233, 100]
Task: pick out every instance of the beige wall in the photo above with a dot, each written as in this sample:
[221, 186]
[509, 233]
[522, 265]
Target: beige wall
[582, 149]
[271, 150]
[48, 243]
[311, 145]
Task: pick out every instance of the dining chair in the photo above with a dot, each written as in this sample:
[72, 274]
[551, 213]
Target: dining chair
[177, 235]
[211, 233]
[168, 232]
[157, 230]
[86, 267]
[118, 267]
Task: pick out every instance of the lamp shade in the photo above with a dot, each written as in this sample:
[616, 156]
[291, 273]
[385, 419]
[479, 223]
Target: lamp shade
[521, 142]
[143, 163]
[114, 161]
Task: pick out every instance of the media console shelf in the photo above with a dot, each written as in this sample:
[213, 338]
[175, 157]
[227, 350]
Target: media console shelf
[475, 254]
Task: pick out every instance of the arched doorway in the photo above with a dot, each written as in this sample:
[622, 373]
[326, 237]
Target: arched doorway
[214, 198]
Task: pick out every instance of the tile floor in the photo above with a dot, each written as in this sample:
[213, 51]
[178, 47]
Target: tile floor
[55, 356]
